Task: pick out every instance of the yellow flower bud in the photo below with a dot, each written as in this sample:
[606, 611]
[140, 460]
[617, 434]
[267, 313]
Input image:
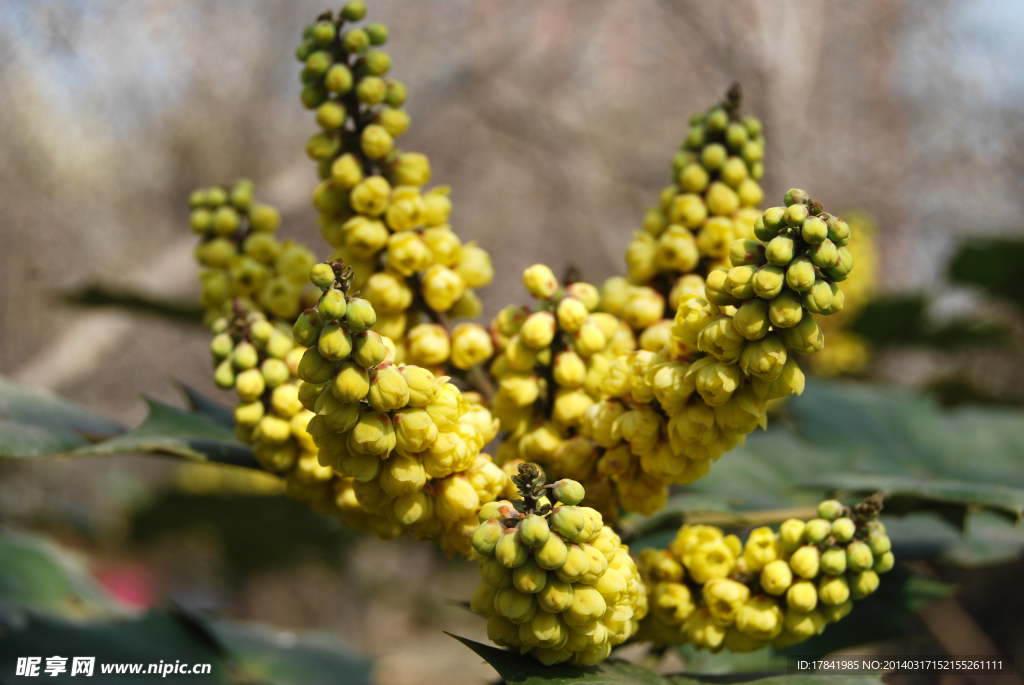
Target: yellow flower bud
[676, 250]
[405, 211]
[407, 253]
[370, 196]
[721, 199]
[373, 434]
[388, 389]
[346, 171]
[568, 370]
[364, 237]
[723, 598]
[402, 475]
[714, 380]
[589, 339]
[540, 281]
[375, 141]
[715, 237]
[751, 320]
[569, 406]
[688, 210]
[702, 631]
[411, 168]
[441, 287]
[720, 340]
[455, 498]
[428, 344]
[518, 607]
[764, 358]
[760, 618]
[470, 345]
[644, 307]
[693, 314]
[538, 330]
[805, 562]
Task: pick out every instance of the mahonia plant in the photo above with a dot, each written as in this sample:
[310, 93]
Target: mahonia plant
[394, 236]
[556, 583]
[782, 587]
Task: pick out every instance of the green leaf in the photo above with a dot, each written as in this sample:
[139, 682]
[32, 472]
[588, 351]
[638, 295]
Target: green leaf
[281, 657]
[156, 637]
[94, 296]
[904, 321]
[993, 265]
[209, 407]
[171, 431]
[520, 670]
[36, 422]
[38, 575]
[905, 493]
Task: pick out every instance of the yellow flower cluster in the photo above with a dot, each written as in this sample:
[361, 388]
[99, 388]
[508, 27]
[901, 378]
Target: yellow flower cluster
[242, 259]
[847, 352]
[711, 202]
[373, 210]
[404, 442]
[557, 583]
[550, 369]
[260, 361]
[780, 588]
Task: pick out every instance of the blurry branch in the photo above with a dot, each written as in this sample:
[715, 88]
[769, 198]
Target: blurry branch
[99, 296]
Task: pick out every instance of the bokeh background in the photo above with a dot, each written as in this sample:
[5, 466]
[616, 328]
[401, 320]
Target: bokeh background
[555, 125]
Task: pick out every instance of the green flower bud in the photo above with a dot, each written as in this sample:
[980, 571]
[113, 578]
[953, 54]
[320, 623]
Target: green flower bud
[751, 319]
[833, 590]
[249, 385]
[313, 368]
[493, 573]
[369, 349]
[338, 79]
[306, 330]
[694, 137]
[355, 41]
[838, 231]
[224, 376]
[753, 153]
[556, 596]
[824, 255]
[339, 416]
[371, 90]
[779, 251]
[753, 124]
[323, 146]
[552, 554]
[884, 563]
[693, 178]
[221, 345]
[318, 63]
[568, 492]
[534, 531]
[215, 197]
[322, 276]
[360, 315]
[813, 229]
[800, 274]
[734, 171]
[736, 135]
[803, 338]
[354, 10]
[795, 196]
[529, 578]
[773, 220]
[577, 565]
[486, 536]
[396, 93]
[879, 543]
[739, 282]
[863, 584]
[335, 342]
[378, 33]
[260, 331]
[858, 556]
[352, 382]
[818, 299]
[838, 300]
[518, 607]
[248, 414]
[843, 529]
[241, 194]
[509, 550]
[304, 50]
[313, 96]
[226, 221]
[791, 533]
[833, 561]
[567, 521]
[482, 601]
[324, 33]
[275, 372]
[843, 267]
[744, 252]
[716, 120]
[795, 215]
[330, 116]
[830, 509]
[817, 530]
[201, 220]
[769, 281]
[377, 63]
[713, 156]
[245, 356]
[785, 310]
[264, 218]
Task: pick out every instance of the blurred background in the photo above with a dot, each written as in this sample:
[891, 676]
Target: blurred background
[555, 125]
